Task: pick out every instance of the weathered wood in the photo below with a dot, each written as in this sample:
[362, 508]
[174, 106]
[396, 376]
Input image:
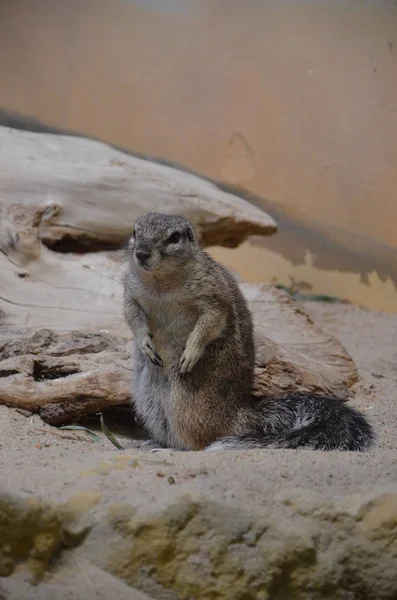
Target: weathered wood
[64, 345]
[292, 353]
[67, 376]
[89, 194]
[61, 193]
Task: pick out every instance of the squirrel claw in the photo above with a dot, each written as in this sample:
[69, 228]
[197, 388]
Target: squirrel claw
[156, 361]
[147, 348]
[188, 360]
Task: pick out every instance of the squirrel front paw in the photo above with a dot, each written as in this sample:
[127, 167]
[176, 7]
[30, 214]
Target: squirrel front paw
[146, 346]
[189, 358]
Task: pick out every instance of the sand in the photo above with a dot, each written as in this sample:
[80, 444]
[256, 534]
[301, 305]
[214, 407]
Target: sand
[39, 461]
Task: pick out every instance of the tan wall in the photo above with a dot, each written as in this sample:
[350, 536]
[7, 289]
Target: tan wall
[296, 101]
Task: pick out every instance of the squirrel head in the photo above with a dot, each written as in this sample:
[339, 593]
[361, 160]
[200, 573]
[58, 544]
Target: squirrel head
[162, 242]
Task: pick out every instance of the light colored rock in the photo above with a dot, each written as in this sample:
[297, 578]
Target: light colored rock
[84, 583]
[194, 548]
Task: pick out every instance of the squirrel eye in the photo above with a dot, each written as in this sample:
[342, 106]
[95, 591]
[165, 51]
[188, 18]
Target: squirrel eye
[134, 233]
[174, 238]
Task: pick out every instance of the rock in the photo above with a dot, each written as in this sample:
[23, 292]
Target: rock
[89, 582]
[29, 532]
[194, 548]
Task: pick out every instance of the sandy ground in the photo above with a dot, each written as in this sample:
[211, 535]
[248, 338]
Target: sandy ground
[36, 459]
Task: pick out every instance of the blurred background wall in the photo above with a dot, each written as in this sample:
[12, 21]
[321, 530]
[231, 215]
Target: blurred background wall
[295, 101]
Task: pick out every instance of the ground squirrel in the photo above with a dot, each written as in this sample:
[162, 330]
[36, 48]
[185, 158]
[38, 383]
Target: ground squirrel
[194, 356]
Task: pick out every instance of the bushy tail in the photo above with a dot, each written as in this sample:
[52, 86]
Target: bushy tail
[304, 421]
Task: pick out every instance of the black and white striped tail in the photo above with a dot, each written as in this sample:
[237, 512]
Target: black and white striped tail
[304, 421]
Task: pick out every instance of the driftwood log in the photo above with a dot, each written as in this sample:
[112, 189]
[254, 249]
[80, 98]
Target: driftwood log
[67, 376]
[65, 204]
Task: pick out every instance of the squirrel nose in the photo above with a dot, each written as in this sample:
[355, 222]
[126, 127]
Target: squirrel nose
[142, 253]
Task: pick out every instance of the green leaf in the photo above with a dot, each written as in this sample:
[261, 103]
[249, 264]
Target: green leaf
[94, 436]
[318, 298]
[109, 434]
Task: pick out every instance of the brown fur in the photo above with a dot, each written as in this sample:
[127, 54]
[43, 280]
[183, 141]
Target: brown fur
[201, 330]
[194, 356]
